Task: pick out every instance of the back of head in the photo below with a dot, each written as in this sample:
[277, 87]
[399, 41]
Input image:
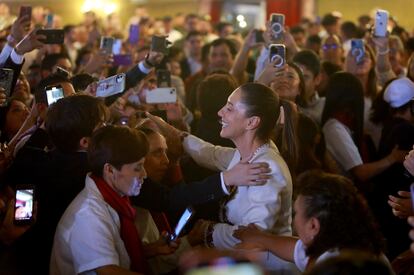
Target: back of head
[344, 93]
[72, 118]
[213, 92]
[349, 30]
[116, 145]
[344, 217]
[261, 101]
[310, 60]
[329, 20]
[50, 60]
[351, 263]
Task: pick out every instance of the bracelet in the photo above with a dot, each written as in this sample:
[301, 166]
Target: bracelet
[384, 52]
[183, 135]
[208, 235]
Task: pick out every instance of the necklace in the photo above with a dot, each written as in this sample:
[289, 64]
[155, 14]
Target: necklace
[264, 145]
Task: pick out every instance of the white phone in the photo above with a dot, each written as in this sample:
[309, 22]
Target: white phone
[162, 95]
[53, 94]
[111, 85]
[381, 23]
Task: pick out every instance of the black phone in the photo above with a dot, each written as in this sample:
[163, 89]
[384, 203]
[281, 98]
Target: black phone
[259, 36]
[53, 36]
[159, 44]
[6, 80]
[163, 78]
[277, 54]
[23, 208]
[182, 222]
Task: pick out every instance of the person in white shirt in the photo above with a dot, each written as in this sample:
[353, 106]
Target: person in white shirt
[331, 216]
[248, 119]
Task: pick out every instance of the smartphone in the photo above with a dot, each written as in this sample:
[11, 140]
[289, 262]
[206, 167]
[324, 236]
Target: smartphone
[358, 50]
[23, 208]
[277, 53]
[163, 78]
[133, 34]
[62, 72]
[117, 46]
[111, 85]
[107, 44]
[6, 80]
[26, 11]
[381, 23]
[122, 60]
[53, 94]
[159, 44]
[259, 36]
[53, 36]
[277, 23]
[161, 95]
[49, 20]
[185, 217]
[123, 120]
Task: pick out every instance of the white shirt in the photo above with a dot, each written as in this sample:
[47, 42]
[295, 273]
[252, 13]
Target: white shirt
[371, 129]
[268, 205]
[340, 144]
[261, 62]
[195, 65]
[88, 236]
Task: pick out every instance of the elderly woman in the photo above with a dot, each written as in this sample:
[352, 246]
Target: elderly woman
[96, 234]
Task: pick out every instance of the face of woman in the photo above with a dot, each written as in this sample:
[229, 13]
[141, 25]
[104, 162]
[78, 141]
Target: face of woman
[286, 84]
[15, 117]
[301, 223]
[233, 117]
[128, 180]
[363, 68]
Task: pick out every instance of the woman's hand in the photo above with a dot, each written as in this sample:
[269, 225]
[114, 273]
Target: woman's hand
[160, 247]
[401, 207]
[271, 72]
[249, 237]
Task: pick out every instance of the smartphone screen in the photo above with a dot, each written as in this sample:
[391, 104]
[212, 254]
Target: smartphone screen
[122, 60]
[23, 213]
[163, 78]
[53, 94]
[6, 79]
[185, 217]
[159, 44]
[49, 20]
[107, 44]
[53, 36]
[26, 10]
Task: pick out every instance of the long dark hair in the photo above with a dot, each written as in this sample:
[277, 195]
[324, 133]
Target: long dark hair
[345, 98]
[345, 219]
[372, 89]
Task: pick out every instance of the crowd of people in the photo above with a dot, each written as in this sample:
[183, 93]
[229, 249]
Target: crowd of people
[299, 166]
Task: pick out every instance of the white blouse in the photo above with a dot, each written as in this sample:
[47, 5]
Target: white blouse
[268, 205]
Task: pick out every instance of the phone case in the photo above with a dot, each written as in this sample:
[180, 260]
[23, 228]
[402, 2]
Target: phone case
[133, 34]
[111, 86]
[277, 23]
[162, 95]
[26, 10]
[277, 51]
[159, 44]
[381, 23]
[6, 79]
[358, 49]
[122, 59]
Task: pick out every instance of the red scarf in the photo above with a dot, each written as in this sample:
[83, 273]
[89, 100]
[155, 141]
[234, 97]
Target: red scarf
[129, 233]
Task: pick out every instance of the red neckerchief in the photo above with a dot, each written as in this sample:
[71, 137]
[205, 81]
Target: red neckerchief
[129, 233]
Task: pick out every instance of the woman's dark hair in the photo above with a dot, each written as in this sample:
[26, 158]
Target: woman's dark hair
[345, 219]
[345, 98]
[351, 262]
[212, 94]
[72, 118]
[3, 114]
[261, 101]
[116, 145]
[301, 98]
[311, 144]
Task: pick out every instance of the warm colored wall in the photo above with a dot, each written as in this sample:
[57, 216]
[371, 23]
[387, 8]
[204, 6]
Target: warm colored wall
[70, 9]
[351, 9]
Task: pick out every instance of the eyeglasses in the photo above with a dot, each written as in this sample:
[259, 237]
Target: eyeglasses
[327, 47]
